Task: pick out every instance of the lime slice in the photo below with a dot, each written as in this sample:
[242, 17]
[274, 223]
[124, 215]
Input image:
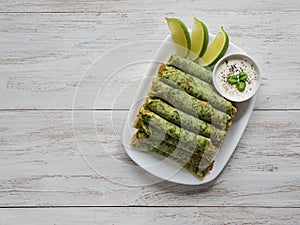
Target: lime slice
[199, 40]
[180, 36]
[216, 49]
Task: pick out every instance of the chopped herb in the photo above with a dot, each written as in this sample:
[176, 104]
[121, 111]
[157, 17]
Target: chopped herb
[232, 79]
[241, 85]
[238, 80]
[243, 76]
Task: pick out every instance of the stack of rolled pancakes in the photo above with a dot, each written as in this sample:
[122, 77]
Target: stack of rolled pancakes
[183, 117]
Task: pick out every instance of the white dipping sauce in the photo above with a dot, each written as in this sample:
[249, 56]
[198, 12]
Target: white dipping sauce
[232, 65]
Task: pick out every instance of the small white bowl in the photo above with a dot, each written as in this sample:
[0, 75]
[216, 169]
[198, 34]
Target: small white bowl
[232, 64]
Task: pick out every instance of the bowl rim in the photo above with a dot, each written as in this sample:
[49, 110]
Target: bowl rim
[237, 55]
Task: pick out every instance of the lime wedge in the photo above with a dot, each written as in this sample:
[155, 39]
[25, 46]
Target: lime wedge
[216, 49]
[199, 39]
[180, 36]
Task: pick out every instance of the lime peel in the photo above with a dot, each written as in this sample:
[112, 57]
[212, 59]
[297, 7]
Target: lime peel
[216, 49]
[180, 35]
[199, 39]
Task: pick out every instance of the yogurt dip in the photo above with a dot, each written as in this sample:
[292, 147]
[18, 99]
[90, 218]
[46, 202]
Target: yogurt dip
[233, 64]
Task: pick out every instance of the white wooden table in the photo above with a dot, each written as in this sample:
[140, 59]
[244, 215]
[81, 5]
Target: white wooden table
[46, 46]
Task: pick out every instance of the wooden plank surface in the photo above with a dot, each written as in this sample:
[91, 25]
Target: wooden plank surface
[157, 215]
[44, 56]
[131, 6]
[72, 163]
[41, 164]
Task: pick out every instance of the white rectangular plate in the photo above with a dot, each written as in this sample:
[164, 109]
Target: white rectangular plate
[164, 168]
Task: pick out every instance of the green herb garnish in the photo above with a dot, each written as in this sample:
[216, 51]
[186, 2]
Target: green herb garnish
[241, 85]
[243, 76]
[238, 80]
[232, 79]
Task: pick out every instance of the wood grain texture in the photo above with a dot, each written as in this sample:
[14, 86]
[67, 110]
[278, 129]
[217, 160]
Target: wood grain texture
[159, 215]
[131, 6]
[41, 165]
[47, 46]
[44, 56]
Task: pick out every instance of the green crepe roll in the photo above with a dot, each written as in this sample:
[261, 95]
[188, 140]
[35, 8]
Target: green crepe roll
[174, 151]
[189, 166]
[186, 150]
[174, 131]
[196, 88]
[197, 156]
[142, 126]
[166, 150]
[185, 120]
[146, 131]
[187, 103]
[157, 136]
[191, 68]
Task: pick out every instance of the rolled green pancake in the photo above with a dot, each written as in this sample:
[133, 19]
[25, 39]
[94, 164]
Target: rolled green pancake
[157, 136]
[142, 126]
[191, 68]
[185, 120]
[174, 131]
[175, 151]
[195, 87]
[166, 150]
[187, 103]
[181, 148]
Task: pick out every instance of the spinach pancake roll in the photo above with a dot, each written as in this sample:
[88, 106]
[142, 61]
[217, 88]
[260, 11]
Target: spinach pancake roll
[157, 136]
[191, 68]
[166, 150]
[187, 103]
[185, 120]
[196, 88]
[139, 140]
[174, 131]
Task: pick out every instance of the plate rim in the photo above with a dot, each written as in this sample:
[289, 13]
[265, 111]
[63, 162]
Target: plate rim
[198, 181]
